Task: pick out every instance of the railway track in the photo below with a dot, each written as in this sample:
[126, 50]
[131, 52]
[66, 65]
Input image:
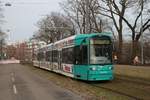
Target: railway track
[118, 92]
[109, 86]
[133, 80]
[122, 87]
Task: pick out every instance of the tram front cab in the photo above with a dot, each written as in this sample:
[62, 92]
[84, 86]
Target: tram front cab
[93, 59]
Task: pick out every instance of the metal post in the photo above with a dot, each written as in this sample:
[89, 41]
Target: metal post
[1, 48]
[142, 58]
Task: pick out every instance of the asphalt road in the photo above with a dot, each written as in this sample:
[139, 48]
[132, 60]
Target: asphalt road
[19, 83]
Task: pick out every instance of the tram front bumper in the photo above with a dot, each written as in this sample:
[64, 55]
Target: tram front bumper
[100, 75]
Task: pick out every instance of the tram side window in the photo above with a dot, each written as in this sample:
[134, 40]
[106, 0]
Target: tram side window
[68, 55]
[51, 56]
[55, 56]
[81, 56]
[40, 56]
[48, 56]
[35, 56]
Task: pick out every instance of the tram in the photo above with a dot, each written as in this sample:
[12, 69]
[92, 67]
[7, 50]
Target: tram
[83, 56]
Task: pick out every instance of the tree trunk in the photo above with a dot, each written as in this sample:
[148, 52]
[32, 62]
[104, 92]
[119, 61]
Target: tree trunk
[120, 44]
[135, 50]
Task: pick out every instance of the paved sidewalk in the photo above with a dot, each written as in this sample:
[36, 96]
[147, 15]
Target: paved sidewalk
[9, 61]
[20, 83]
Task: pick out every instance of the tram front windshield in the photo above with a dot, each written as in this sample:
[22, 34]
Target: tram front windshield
[100, 52]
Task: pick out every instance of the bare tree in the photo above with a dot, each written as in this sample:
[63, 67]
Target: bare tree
[82, 13]
[117, 10]
[2, 43]
[1, 14]
[139, 26]
[54, 27]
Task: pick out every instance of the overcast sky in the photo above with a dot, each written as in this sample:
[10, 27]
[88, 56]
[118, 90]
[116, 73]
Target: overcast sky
[22, 16]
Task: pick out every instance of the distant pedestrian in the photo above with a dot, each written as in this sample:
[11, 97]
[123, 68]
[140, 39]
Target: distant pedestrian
[115, 59]
[136, 60]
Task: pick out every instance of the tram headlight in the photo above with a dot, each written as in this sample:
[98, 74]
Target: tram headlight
[93, 68]
[111, 68]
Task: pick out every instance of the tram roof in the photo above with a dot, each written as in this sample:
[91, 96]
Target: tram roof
[94, 34]
[78, 38]
[66, 39]
[81, 37]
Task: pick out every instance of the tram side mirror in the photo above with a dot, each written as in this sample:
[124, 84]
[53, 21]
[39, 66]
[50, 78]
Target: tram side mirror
[113, 47]
[81, 45]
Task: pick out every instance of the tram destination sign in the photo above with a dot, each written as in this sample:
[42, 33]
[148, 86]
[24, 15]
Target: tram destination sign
[96, 41]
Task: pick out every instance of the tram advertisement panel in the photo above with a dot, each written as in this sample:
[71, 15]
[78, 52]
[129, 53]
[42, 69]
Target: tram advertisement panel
[67, 68]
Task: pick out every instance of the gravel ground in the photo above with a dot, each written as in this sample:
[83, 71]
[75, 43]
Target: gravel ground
[133, 71]
[89, 92]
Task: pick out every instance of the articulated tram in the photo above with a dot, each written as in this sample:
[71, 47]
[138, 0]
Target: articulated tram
[83, 56]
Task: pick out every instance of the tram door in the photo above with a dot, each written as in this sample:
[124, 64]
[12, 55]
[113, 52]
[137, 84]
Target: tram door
[59, 60]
